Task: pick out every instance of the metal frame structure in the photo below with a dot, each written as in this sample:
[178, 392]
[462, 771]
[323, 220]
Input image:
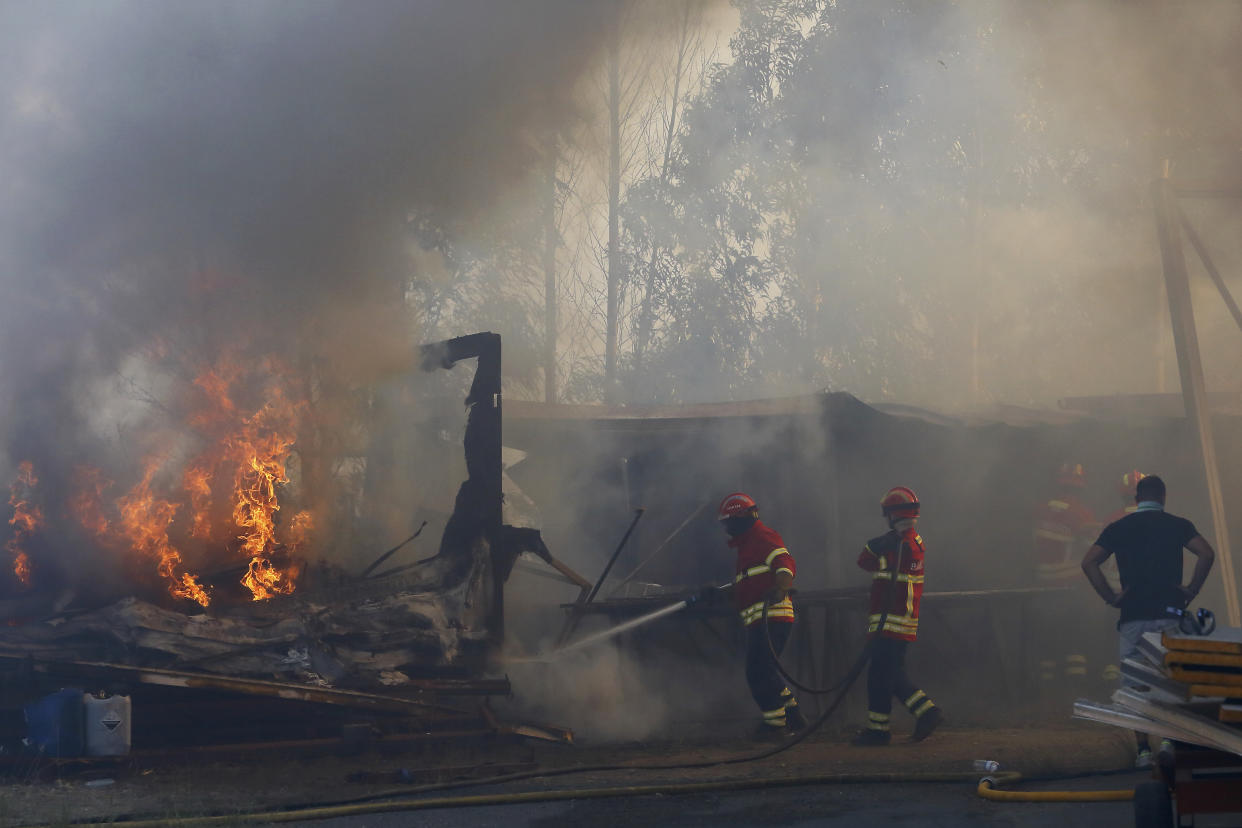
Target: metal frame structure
[1171, 222]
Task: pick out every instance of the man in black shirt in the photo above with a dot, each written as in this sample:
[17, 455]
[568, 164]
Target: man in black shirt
[1148, 545]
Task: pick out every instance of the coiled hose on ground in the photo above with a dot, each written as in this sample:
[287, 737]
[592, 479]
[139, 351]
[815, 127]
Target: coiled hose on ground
[401, 799]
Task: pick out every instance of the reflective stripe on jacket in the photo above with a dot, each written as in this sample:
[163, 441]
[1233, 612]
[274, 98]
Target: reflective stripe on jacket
[1064, 529]
[896, 563]
[760, 555]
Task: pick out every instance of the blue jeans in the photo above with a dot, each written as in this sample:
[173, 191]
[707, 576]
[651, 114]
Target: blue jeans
[1132, 633]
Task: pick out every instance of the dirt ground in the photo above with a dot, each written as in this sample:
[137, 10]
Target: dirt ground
[187, 787]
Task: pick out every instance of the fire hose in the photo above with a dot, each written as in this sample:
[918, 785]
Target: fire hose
[398, 800]
[393, 802]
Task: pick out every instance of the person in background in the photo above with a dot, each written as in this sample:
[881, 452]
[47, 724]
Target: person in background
[1064, 529]
[895, 561]
[764, 578]
[1147, 545]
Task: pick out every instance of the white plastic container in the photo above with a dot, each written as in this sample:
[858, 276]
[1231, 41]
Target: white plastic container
[107, 725]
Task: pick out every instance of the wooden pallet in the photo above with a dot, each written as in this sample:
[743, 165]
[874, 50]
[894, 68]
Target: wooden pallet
[1206, 731]
[1195, 657]
[1201, 674]
[1222, 640]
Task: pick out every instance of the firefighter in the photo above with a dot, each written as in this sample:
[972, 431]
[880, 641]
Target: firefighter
[895, 560]
[765, 576]
[1064, 529]
[1126, 488]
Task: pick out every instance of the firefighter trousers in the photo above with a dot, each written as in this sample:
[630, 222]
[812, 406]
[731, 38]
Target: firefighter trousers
[766, 685]
[887, 680]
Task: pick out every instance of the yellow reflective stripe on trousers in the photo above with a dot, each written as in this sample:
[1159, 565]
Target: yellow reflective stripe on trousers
[904, 625]
[751, 614]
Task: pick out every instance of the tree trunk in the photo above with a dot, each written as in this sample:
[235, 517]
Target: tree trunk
[614, 209]
[549, 274]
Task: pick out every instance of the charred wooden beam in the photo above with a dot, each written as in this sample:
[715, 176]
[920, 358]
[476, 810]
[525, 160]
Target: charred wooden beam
[255, 687]
[478, 511]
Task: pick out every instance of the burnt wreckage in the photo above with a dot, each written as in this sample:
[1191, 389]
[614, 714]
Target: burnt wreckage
[401, 641]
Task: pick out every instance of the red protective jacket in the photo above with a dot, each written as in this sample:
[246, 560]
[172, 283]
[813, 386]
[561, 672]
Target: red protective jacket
[900, 556]
[1064, 530]
[760, 555]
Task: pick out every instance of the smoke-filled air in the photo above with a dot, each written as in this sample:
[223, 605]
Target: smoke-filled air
[227, 226]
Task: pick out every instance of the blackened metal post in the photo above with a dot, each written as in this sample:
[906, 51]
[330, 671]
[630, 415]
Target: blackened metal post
[479, 509]
[638, 513]
[575, 614]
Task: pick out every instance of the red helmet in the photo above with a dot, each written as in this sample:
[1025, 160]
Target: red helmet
[1128, 482]
[737, 504]
[900, 502]
[1072, 474]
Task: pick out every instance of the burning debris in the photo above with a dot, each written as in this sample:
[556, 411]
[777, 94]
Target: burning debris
[26, 520]
[211, 508]
[186, 516]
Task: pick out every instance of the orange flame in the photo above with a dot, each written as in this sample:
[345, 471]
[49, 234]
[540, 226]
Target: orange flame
[27, 518]
[144, 522]
[263, 449]
[248, 424]
[197, 482]
[86, 501]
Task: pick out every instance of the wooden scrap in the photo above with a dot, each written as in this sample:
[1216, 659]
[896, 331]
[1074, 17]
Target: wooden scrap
[1199, 674]
[1222, 640]
[1118, 716]
[1163, 686]
[1208, 731]
[1213, 691]
[1194, 657]
[254, 687]
[1152, 648]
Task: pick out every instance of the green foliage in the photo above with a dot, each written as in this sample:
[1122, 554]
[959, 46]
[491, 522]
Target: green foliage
[841, 195]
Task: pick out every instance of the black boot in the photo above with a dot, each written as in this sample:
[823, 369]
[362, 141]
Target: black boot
[794, 719]
[765, 732]
[872, 738]
[926, 723]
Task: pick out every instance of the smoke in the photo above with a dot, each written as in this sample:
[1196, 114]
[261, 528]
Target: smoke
[251, 168]
[960, 196]
[975, 217]
[245, 189]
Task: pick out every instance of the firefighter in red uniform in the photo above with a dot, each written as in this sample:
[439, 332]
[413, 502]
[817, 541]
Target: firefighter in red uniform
[895, 560]
[765, 575]
[1064, 529]
[1126, 488]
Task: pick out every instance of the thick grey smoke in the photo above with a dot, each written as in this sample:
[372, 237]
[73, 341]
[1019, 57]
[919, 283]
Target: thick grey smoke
[248, 168]
[190, 181]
